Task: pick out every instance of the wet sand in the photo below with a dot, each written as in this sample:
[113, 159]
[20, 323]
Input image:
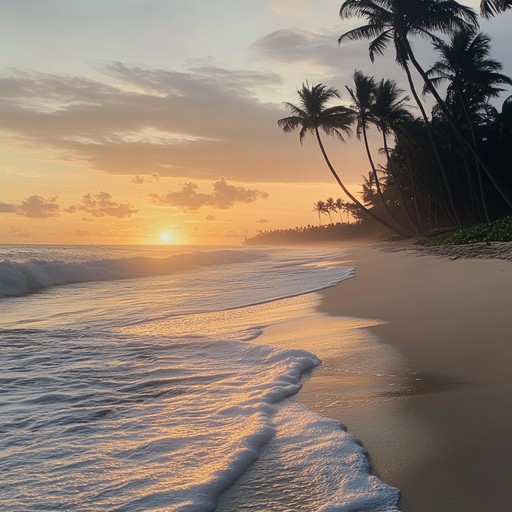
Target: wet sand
[440, 427]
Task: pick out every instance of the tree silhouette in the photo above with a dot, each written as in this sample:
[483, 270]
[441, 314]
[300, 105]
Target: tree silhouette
[313, 115]
[321, 208]
[363, 97]
[396, 21]
[331, 207]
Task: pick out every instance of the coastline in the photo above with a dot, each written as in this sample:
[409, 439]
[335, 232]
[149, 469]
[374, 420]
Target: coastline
[442, 434]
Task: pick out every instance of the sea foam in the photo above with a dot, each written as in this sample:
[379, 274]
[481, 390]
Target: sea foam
[152, 394]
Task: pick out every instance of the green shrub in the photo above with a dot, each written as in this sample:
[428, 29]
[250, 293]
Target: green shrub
[497, 231]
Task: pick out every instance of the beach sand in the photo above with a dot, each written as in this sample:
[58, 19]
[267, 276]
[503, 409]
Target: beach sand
[436, 413]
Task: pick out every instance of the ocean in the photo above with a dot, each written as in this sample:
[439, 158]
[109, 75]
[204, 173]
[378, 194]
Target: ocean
[135, 379]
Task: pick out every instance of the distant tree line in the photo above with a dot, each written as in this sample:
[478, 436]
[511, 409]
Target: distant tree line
[334, 232]
[451, 167]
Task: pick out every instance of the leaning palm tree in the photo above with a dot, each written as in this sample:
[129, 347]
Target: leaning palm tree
[396, 21]
[489, 8]
[312, 115]
[390, 114]
[362, 101]
[363, 97]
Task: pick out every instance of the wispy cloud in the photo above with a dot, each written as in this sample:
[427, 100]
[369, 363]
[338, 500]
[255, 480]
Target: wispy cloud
[194, 124]
[300, 46]
[139, 180]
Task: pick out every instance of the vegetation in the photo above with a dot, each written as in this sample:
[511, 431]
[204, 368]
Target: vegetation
[498, 231]
[355, 228]
[447, 168]
[318, 234]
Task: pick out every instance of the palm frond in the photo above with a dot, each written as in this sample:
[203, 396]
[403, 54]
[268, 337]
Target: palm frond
[379, 44]
[489, 8]
[359, 33]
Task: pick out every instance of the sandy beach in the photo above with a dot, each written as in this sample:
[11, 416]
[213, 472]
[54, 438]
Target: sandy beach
[440, 427]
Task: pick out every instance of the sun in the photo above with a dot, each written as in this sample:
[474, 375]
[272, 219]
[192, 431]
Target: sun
[165, 237]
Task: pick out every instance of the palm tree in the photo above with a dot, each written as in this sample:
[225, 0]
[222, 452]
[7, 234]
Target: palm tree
[489, 8]
[341, 206]
[363, 97]
[389, 113]
[331, 207]
[313, 115]
[397, 20]
[473, 77]
[321, 208]
[369, 193]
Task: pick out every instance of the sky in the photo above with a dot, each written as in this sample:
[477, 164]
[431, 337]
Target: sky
[121, 120]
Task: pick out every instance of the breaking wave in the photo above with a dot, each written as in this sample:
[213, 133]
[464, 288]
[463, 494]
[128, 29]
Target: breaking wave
[23, 278]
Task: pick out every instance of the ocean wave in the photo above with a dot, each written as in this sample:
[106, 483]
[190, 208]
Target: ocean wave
[18, 279]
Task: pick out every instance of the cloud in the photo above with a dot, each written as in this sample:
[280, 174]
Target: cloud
[102, 205]
[187, 198]
[210, 217]
[262, 221]
[139, 180]
[34, 207]
[8, 208]
[193, 124]
[321, 55]
[223, 197]
[294, 45]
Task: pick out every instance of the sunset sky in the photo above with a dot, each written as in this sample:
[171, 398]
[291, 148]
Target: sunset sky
[124, 119]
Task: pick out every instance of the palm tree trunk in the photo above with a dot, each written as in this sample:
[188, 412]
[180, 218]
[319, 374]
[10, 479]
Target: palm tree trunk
[352, 198]
[376, 177]
[395, 178]
[414, 191]
[472, 195]
[432, 196]
[433, 142]
[502, 189]
[477, 165]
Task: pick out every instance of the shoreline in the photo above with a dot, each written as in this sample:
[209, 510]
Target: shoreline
[442, 434]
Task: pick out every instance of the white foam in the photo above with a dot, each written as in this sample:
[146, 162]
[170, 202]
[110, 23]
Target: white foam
[22, 278]
[146, 406]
